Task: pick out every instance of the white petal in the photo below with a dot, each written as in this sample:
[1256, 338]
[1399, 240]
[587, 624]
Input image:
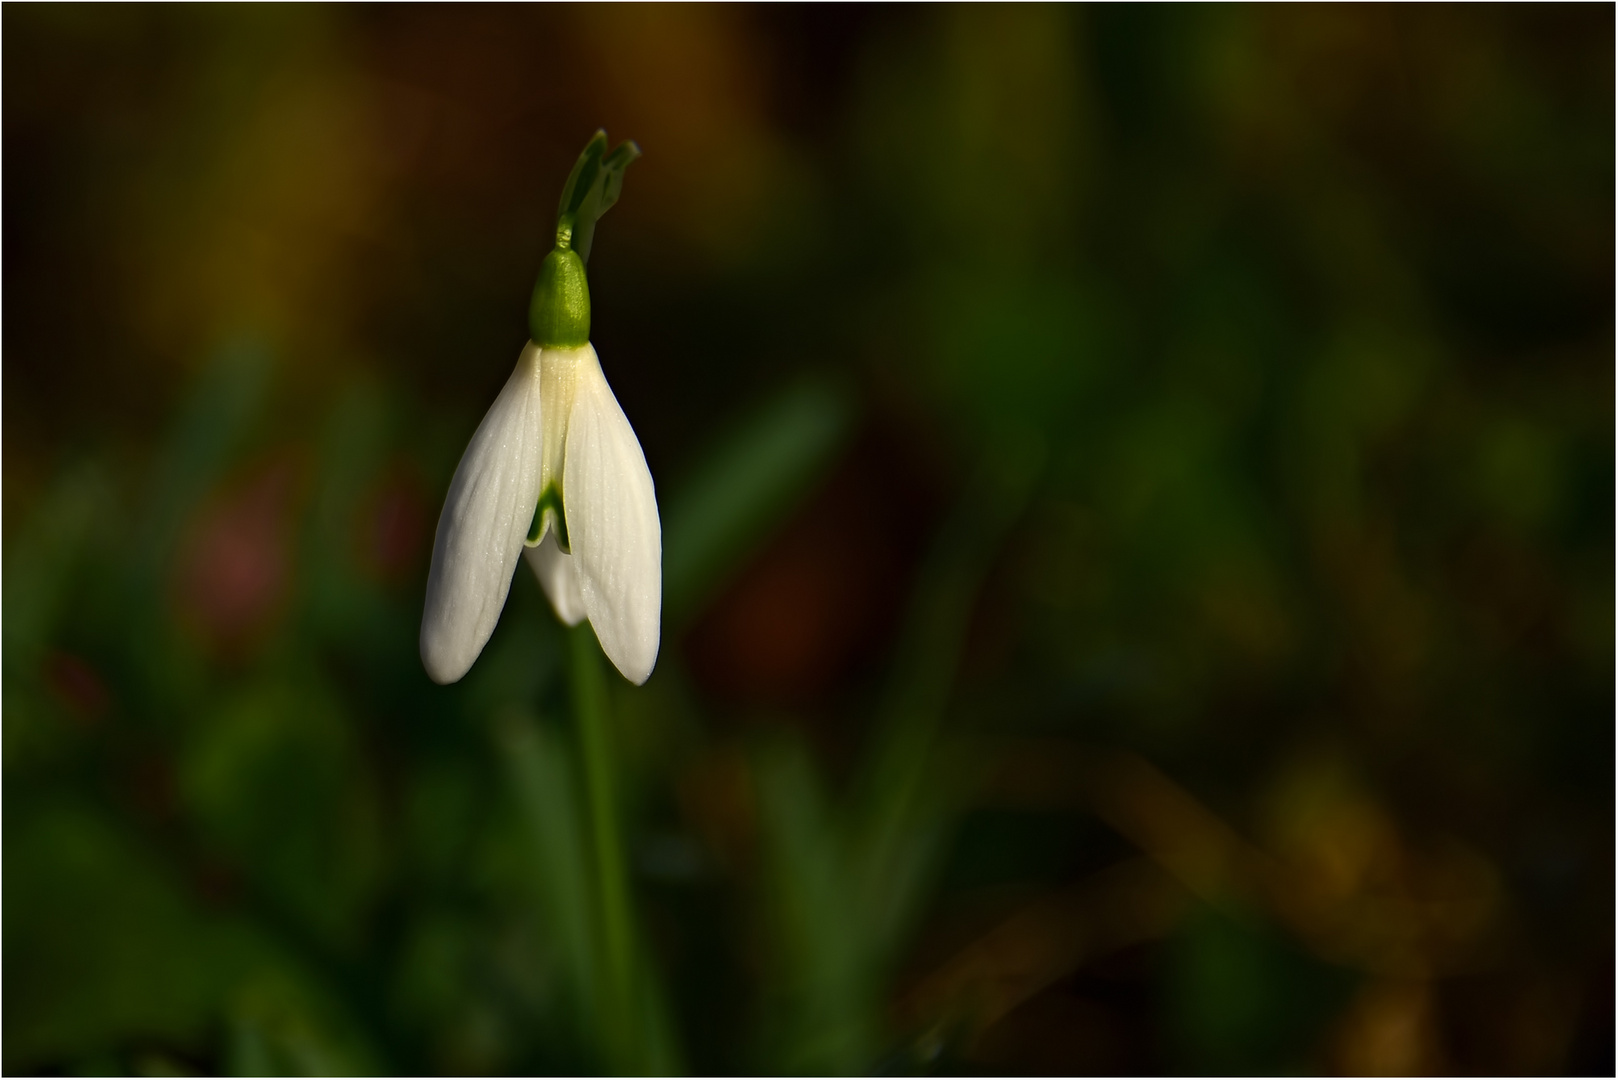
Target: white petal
[557, 577]
[612, 525]
[485, 520]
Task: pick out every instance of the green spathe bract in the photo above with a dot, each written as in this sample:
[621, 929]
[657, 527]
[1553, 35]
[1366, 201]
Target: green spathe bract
[559, 313]
[592, 188]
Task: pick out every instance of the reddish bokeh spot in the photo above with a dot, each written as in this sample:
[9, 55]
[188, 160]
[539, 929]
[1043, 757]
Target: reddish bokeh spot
[393, 535]
[818, 607]
[216, 883]
[234, 570]
[150, 785]
[715, 793]
[78, 688]
[787, 629]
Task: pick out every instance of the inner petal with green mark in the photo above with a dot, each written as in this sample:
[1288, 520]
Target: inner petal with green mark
[548, 513]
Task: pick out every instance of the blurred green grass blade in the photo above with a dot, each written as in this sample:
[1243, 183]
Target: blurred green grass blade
[747, 482]
[539, 766]
[89, 926]
[952, 575]
[844, 888]
[657, 1035]
[826, 1023]
[901, 797]
[282, 1026]
[612, 983]
[276, 782]
[115, 951]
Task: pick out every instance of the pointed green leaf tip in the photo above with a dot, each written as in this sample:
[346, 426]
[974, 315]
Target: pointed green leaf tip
[592, 189]
[559, 313]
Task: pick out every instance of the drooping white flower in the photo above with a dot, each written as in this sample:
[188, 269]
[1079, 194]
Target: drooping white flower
[556, 468]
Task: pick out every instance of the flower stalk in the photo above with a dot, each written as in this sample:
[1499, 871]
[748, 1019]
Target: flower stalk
[616, 925]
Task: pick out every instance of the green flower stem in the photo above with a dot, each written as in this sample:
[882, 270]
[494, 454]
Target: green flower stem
[612, 877]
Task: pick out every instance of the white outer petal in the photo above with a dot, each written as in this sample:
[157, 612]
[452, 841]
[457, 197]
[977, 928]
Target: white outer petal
[485, 520]
[557, 577]
[612, 525]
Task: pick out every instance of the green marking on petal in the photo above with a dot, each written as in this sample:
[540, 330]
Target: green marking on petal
[549, 500]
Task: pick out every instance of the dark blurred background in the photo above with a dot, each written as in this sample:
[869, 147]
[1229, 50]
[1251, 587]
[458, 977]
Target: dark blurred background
[1138, 501]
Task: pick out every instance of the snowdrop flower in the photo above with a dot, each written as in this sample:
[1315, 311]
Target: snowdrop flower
[553, 471]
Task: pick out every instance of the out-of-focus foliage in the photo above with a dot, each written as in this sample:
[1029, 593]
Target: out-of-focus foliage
[1138, 504]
